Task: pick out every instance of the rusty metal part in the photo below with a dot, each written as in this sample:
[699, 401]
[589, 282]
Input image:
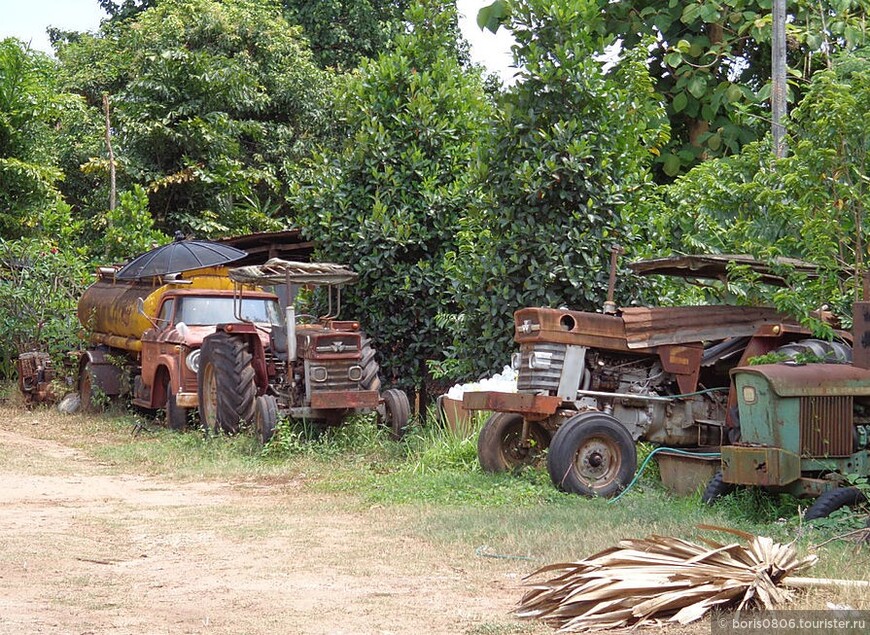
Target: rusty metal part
[861, 331]
[684, 474]
[764, 466]
[344, 399]
[277, 271]
[609, 304]
[826, 426]
[804, 380]
[534, 407]
[716, 267]
[35, 374]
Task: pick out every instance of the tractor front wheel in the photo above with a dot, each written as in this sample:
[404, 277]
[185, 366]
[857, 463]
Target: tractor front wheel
[226, 383]
[592, 454]
[501, 447]
[265, 418]
[716, 489]
[395, 412]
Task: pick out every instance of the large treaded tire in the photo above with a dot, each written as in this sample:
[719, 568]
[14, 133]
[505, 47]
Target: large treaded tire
[226, 383]
[370, 378]
[265, 418]
[498, 445]
[832, 500]
[716, 489]
[831, 352]
[592, 454]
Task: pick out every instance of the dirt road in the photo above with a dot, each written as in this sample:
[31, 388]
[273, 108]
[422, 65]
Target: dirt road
[85, 549]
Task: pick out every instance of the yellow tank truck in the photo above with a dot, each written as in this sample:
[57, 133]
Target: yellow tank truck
[145, 334]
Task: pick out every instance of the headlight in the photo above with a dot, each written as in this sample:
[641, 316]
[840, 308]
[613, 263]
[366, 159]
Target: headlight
[516, 360]
[192, 361]
[355, 373]
[319, 374]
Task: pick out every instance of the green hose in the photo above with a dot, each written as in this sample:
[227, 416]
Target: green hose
[650, 456]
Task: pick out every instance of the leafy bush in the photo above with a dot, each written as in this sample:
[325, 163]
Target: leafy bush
[569, 158]
[390, 201]
[40, 284]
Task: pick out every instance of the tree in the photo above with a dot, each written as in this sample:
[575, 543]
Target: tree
[811, 205]
[711, 62]
[213, 103]
[389, 202]
[343, 32]
[33, 115]
[570, 148]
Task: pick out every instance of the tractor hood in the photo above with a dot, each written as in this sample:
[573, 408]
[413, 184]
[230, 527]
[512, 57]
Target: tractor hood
[811, 380]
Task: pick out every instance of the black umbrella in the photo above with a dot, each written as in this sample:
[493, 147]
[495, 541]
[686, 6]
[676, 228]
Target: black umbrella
[181, 255]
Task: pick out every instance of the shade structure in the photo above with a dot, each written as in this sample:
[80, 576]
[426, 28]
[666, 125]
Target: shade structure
[178, 256]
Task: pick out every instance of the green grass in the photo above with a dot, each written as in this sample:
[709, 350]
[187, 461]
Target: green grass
[433, 473]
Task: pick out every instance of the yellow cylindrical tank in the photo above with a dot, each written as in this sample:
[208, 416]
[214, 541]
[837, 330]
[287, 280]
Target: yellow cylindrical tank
[109, 307]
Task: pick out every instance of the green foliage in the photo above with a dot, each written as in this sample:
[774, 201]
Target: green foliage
[570, 148]
[40, 284]
[32, 114]
[711, 62]
[129, 229]
[343, 32]
[810, 205]
[389, 201]
[213, 102]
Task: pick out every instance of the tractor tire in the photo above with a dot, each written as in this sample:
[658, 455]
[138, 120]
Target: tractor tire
[87, 394]
[176, 417]
[716, 489]
[831, 352]
[832, 500]
[592, 454]
[265, 418]
[396, 412]
[370, 379]
[226, 383]
[499, 446]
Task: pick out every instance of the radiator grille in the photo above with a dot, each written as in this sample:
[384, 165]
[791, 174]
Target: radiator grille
[336, 378]
[541, 379]
[826, 426]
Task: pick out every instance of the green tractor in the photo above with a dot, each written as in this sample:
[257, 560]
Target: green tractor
[802, 428]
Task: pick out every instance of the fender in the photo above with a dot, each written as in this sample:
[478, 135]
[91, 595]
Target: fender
[105, 372]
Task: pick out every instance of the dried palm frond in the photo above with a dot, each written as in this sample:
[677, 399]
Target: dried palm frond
[645, 581]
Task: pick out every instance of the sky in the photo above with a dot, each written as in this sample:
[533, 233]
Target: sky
[28, 19]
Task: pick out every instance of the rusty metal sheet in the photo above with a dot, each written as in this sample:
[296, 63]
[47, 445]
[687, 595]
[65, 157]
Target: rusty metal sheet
[715, 266]
[759, 466]
[683, 474]
[341, 399]
[563, 326]
[647, 327]
[523, 403]
[804, 380]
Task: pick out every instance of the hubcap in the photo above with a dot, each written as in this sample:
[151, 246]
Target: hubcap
[597, 461]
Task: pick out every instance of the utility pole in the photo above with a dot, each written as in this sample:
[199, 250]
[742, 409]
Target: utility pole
[778, 94]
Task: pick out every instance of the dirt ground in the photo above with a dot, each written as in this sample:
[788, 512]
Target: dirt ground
[84, 549]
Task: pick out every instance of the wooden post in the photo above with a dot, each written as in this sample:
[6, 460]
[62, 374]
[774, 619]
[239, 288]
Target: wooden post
[778, 95]
[112, 191]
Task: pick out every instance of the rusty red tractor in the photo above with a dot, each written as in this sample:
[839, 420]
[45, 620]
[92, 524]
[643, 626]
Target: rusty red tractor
[590, 385]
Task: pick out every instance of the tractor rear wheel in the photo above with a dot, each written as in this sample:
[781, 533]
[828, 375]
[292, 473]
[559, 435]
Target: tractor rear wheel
[226, 383]
[716, 489]
[500, 446]
[832, 500]
[370, 369]
[592, 454]
[396, 412]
